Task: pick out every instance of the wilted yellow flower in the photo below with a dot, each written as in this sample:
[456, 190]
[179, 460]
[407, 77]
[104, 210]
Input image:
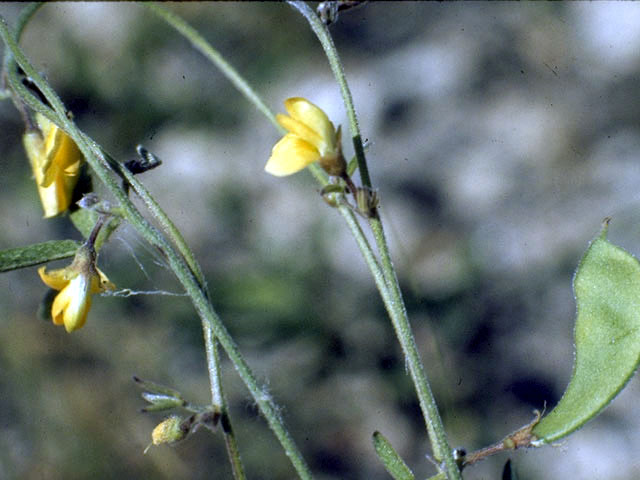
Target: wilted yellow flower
[55, 160]
[76, 283]
[170, 430]
[311, 138]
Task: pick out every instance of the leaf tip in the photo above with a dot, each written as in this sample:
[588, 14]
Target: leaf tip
[605, 228]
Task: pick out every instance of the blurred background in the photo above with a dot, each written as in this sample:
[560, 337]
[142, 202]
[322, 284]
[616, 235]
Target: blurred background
[500, 136]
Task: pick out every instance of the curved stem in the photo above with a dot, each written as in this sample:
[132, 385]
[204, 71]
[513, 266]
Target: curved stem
[8, 64]
[200, 44]
[100, 164]
[213, 360]
[389, 289]
[330, 50]
[204, 47]
[384, 275]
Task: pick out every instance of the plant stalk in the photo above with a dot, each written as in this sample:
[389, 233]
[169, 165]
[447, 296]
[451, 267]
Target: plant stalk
[389, 289]
[96, 158]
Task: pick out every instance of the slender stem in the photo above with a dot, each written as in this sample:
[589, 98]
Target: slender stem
[388, 287]
[204, 47]
[218, 398]
[213, 360]
[400, 321]
[330, 50]
[387, 264]
[100, 164]
[164, 221]
[215, 327]
[200, 44]
[24, 17]
[385, 277]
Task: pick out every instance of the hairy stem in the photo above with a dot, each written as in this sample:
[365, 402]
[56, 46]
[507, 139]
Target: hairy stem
[238, 81]
[103, 169]
[323, 35]
[384, 275]
[213, 359]
[389, 289]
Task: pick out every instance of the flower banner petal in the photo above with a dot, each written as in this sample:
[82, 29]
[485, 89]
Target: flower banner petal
[306, 112]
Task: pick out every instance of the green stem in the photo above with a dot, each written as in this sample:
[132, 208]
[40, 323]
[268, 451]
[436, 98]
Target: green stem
[384, 276]
[218, 398]
[164, 221]
[386, 279]
[213, 361]
[24, 17]
[200, 44]
[330, 50]
[101, 166]
[398, 314]
[204, 47]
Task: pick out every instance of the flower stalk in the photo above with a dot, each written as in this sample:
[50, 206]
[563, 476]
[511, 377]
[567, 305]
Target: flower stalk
[76, 284]
[102, 166]
[384, 274]
[181, 264]
[390, 290]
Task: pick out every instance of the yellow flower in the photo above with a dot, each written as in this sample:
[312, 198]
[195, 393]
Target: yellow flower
[55, 160]
[76, 283]
[311, 138]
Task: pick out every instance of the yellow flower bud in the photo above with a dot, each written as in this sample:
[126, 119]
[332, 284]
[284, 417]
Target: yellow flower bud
[56, 161]
[311, 138]
[76, 283]
[171, 430]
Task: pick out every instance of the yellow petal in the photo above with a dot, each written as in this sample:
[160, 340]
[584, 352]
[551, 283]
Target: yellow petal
[101, 283]
[303, 131]
[56, 279]
[67, 153]
[55, 160]
[306, 112]
[34, 147]
[56, 198]
[52, 134]
[290, 155]
[57, 314]
[52, 137]
[72, 304]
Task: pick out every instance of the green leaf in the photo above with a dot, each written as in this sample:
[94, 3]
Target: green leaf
[31, 255]
[84, 220]
[607, 338]
[352, 166]
[392, 461]
[438, 476]
[156, 388]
